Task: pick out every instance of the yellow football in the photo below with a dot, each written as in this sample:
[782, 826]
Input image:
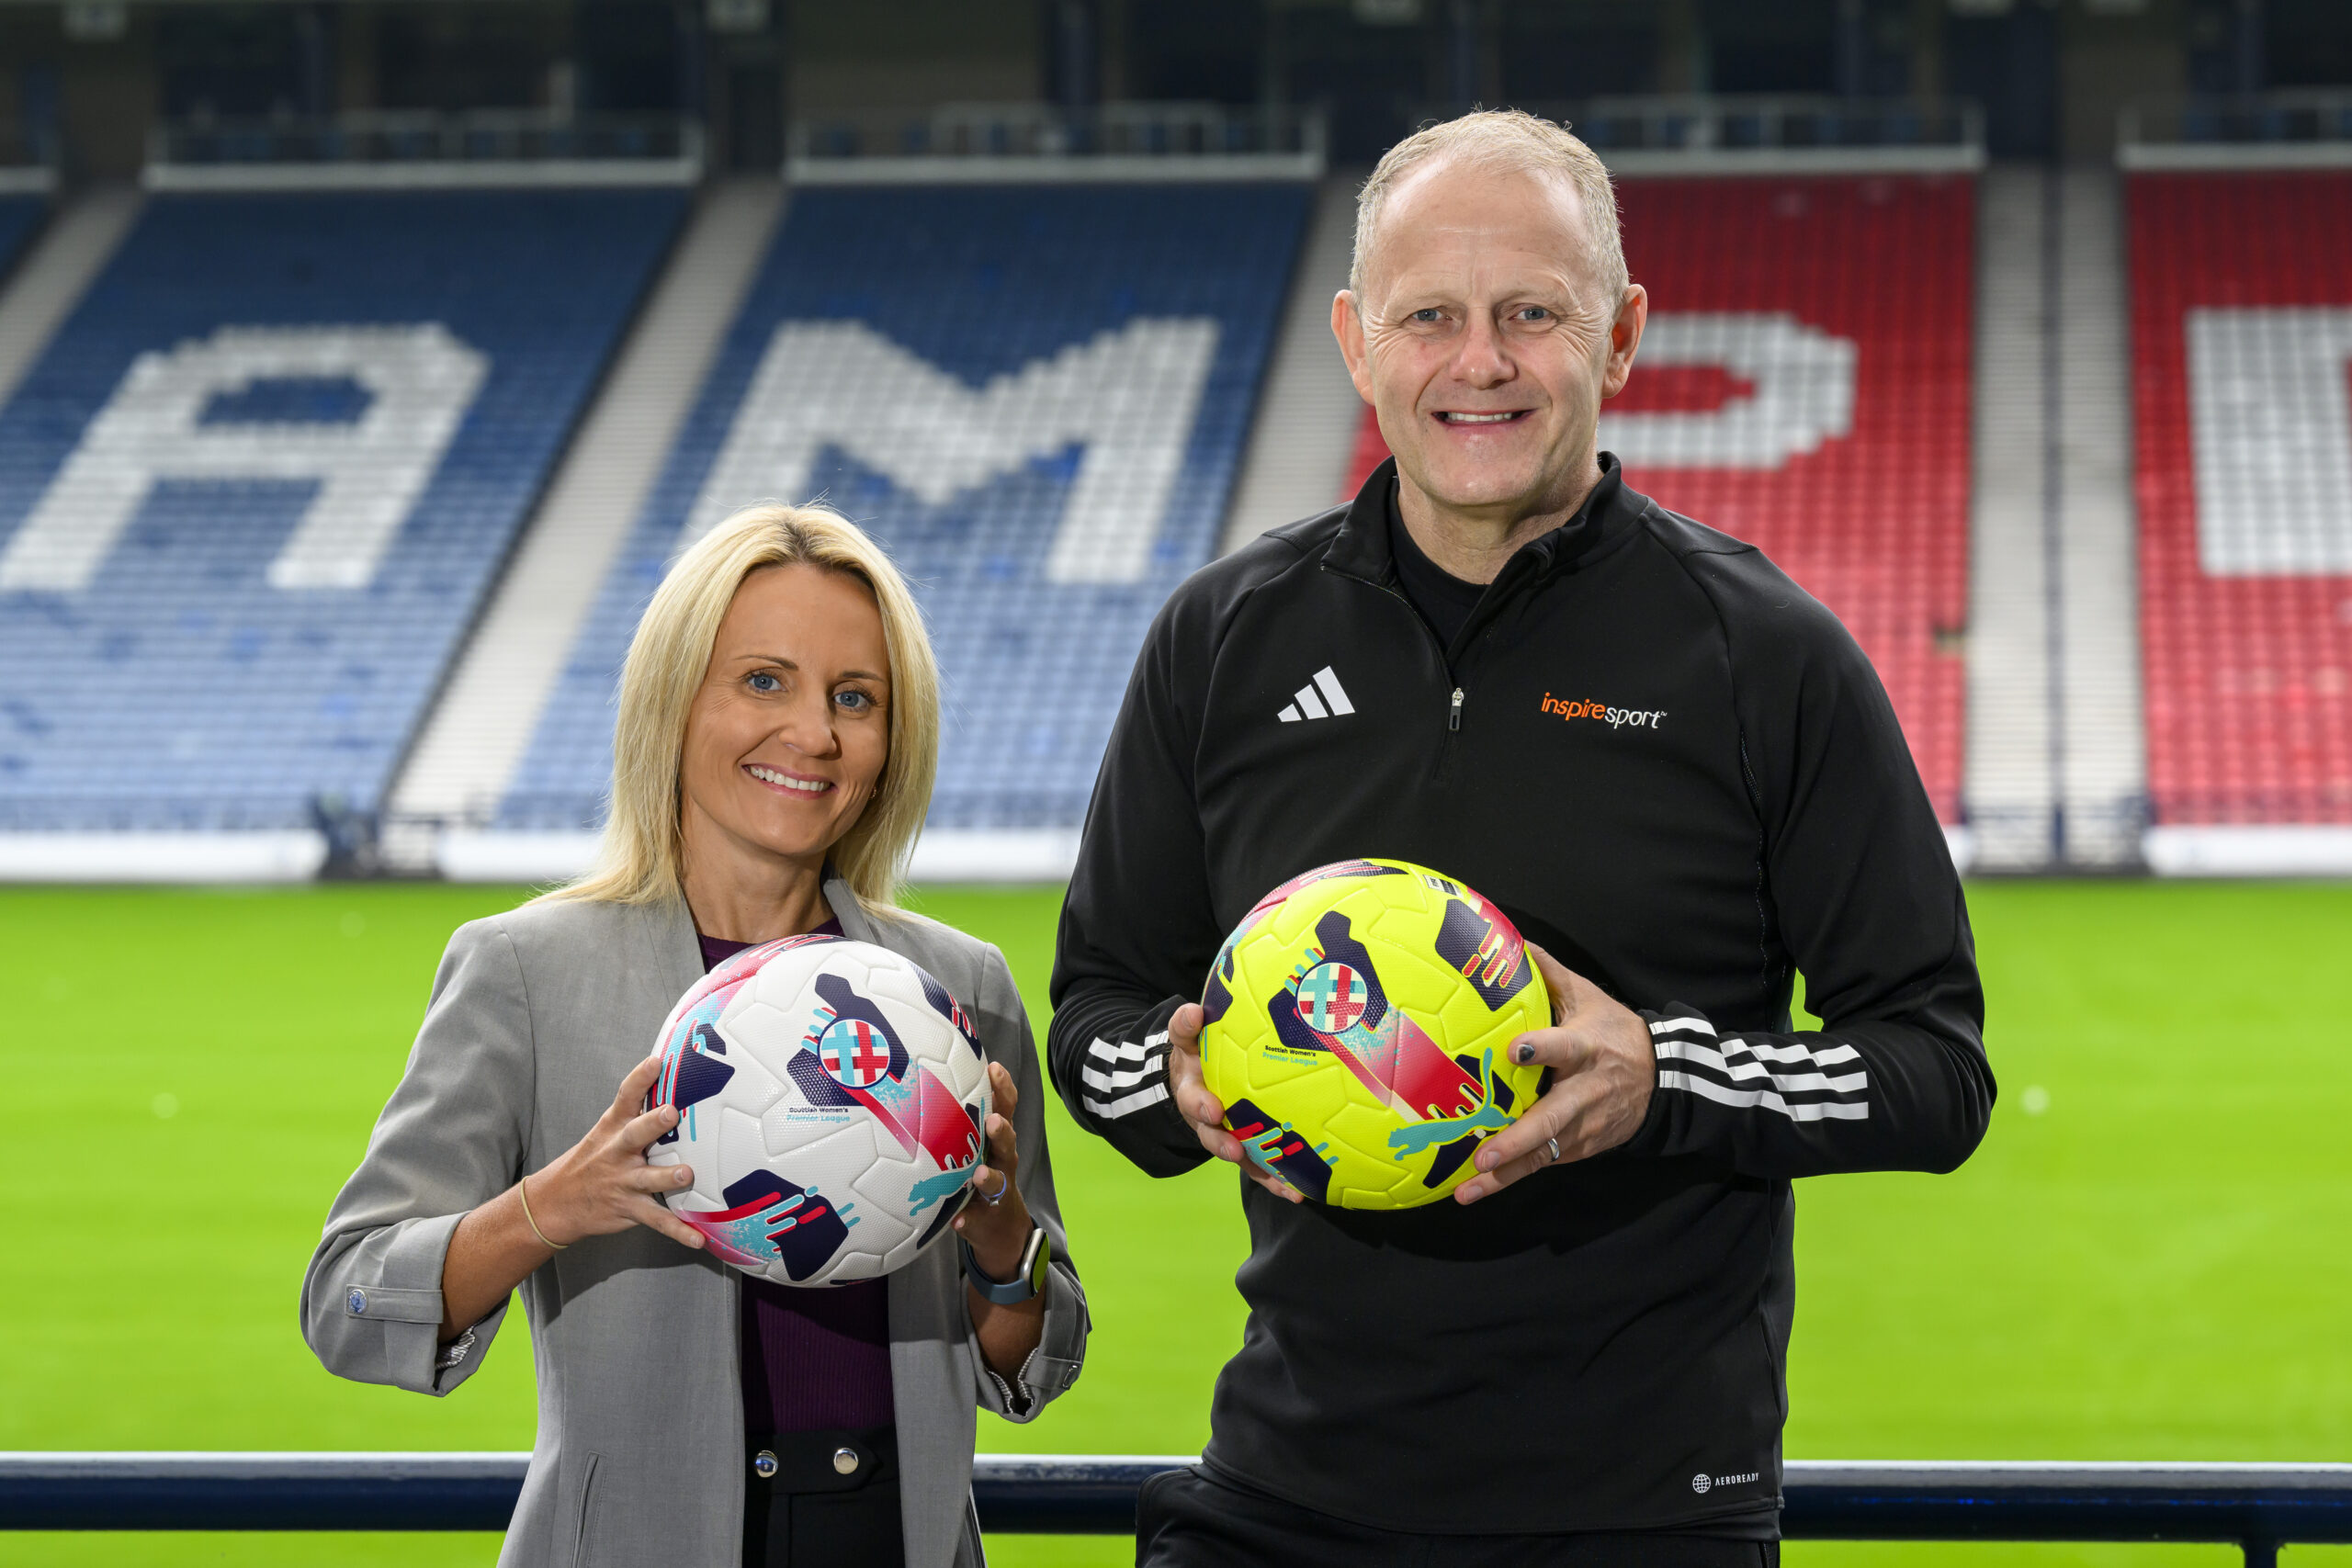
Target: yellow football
[1359, 1024]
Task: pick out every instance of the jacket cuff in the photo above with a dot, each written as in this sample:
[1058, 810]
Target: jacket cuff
[406, 1305]
[1656, 1130]
[1119, 1078]
[1122, 1093]
[1049, 1369]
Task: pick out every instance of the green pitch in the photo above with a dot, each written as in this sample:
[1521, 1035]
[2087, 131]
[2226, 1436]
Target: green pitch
[2150, 1258]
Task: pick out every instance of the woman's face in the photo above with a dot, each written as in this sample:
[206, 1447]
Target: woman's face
[788, 733]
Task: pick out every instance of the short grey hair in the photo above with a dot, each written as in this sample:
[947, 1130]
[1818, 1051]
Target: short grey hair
[1506, 139]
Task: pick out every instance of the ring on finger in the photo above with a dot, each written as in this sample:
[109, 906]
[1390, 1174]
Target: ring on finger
[1003, 1186]
[1553, 1145]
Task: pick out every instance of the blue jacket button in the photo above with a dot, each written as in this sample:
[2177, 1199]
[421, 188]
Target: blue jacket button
[357, 1302]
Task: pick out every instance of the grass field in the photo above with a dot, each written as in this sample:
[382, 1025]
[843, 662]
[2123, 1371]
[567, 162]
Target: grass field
[2150, 1258]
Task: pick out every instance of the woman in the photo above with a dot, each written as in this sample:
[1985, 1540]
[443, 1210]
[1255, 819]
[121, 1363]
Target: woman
[773, 761]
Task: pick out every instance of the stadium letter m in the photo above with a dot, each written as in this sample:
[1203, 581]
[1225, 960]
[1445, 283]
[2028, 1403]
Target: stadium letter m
[1128, 396]
[419, 382]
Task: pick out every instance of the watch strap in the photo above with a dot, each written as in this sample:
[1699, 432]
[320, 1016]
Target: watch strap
[1028, 1278]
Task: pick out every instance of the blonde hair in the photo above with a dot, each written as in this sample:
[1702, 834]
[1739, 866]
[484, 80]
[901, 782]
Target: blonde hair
[640, 861]
[1519, 142]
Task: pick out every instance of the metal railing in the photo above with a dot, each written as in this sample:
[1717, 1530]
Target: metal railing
[1657, 133]
[387, 142]
[1136, 135]
[2285, 128]
[1695, 121]
[27, 160]
[2257, 1507]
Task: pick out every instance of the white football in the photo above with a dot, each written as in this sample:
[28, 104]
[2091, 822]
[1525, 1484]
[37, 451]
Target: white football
[831, 1098]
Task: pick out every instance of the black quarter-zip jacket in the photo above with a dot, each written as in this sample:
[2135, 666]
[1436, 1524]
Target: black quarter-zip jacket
[1675, 770]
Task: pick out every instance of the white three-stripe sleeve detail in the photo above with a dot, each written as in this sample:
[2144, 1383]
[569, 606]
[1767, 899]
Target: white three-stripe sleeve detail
[1737, 1067]
[1153, 1067]
[1764, 1099]
[1796, 1051]
[1140, 1069]
[1791, 1079]
[1111, 1109]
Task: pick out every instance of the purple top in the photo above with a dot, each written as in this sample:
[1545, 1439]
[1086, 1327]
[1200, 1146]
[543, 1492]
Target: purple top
[815, 1359]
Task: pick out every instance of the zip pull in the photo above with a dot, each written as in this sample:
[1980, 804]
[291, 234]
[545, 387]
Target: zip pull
[1453, 714]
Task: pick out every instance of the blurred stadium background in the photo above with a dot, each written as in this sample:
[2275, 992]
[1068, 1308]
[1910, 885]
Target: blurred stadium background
[362, 363]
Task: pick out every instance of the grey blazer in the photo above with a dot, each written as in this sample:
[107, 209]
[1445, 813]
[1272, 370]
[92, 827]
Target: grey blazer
[536, 1016]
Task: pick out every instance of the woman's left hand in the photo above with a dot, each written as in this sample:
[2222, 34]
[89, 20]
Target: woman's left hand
[997, 1232]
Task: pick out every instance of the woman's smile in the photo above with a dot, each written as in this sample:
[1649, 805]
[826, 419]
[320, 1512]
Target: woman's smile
[780, 780]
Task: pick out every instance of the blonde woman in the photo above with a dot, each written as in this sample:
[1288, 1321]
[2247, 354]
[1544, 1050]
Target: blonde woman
[773, 761]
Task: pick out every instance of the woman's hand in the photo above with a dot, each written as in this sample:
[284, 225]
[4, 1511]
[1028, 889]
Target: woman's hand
[997, 1232]
[601, 1183]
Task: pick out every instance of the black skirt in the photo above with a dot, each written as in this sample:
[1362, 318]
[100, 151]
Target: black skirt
[816, 1499]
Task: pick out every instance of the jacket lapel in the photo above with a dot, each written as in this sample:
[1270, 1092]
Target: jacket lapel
[670, 952]
[857, 924]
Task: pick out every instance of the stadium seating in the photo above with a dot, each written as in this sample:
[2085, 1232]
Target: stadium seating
[1036, 397]
[2242, 346]
[20, 216]
[252, 493]
[1805, 385]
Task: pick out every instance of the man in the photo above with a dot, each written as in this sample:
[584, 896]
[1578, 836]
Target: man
[1677, 773]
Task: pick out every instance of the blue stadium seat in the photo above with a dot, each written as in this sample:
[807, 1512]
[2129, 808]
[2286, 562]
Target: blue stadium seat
[254, 492]
[922, 349]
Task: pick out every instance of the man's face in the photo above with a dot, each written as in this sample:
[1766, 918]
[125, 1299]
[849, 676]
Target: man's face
[1481, 339]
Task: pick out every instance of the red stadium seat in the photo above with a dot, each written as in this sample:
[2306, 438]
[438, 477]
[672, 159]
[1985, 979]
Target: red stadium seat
[2242, 360]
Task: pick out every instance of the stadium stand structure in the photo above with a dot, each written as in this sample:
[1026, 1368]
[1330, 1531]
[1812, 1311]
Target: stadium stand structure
[1804, 384]
[2008, 778]
[467, 753]
[2055, 773]
[1037, 398]
[2242, 347]
[20, 216]
[56, 268]
[253, 491]
[1305, 433]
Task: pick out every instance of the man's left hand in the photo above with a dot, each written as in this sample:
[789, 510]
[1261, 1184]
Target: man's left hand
[1604, 1070]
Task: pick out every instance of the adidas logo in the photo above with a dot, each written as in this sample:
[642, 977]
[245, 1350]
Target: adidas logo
[1307, 703]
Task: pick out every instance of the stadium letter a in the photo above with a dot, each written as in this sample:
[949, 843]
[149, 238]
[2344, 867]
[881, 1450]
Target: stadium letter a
[419, 381]
[1128, 396]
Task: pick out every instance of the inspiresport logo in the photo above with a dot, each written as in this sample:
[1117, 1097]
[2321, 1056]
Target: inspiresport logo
[1615, 718]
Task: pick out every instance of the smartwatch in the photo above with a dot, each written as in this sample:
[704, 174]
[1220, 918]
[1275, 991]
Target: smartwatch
[1028, 1278]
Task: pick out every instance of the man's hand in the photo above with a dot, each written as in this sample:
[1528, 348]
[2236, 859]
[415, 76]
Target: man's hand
[1604, 1070]
[1200, 1108]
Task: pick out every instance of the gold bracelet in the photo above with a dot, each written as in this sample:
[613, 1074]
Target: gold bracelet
[524, 1189]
